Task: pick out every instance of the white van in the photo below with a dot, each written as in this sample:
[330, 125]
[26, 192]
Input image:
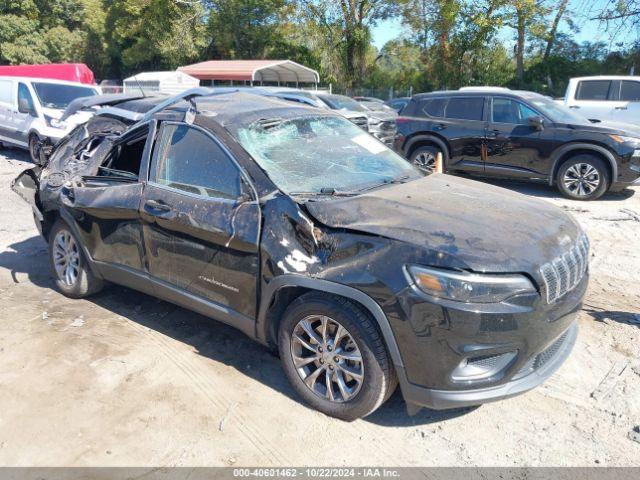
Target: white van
[612, 98]
[30, 109]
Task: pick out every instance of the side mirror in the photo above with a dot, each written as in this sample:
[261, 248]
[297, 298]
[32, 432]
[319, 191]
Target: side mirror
[537, 123]
[24, 106]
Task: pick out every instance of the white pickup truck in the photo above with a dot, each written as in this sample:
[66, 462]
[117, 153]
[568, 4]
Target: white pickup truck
[608, 98]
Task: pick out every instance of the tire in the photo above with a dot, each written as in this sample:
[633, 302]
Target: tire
[348, 397]
[583, 177]
[425, 158]
[34, 147]
[65, 252]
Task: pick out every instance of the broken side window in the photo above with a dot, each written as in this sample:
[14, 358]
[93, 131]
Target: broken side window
[125, 158]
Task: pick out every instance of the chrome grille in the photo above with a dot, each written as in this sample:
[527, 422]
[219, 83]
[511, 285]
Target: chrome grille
[562, 274]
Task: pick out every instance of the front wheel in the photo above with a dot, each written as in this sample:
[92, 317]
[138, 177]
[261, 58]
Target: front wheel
[425, 158]
[34, 147]
[334, 356]
[68, 264]
[583, 177]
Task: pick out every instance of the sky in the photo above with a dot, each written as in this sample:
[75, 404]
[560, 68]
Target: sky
[590, 30]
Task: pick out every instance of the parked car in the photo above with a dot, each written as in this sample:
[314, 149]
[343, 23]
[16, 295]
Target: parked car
[610, 98]
[359, 98]
[379, 107]
[294, 226]
[312, 99]
[498, 132]
[30, 111]
[398, 103]
[382, 125]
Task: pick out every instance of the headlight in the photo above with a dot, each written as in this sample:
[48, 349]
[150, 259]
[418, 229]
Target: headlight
[623, 139]
[54, 122]
[374, 121]
[469, 287]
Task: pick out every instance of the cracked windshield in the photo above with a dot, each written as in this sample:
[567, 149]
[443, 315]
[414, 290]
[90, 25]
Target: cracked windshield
[322, 155]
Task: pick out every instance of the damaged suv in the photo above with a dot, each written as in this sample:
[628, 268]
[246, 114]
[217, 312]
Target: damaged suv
[309, 235]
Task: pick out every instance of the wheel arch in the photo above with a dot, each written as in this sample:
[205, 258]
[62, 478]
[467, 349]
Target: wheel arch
[566, 152]
[282, 290]
[421, 140]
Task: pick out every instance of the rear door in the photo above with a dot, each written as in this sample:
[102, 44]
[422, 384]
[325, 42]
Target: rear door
[105, 206]
[462, 122]
[626, 102]
[513, 147]
[201, 220]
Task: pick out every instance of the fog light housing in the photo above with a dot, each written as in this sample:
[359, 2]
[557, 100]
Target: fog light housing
[483, 367]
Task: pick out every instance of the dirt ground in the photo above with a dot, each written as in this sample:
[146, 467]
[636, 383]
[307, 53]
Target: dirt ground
[124, 379]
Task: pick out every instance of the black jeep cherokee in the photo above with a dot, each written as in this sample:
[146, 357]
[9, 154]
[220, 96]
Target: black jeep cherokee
[497, 132]
[310, 236]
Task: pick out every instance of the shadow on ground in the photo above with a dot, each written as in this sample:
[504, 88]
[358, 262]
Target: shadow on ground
[627, 318]
[542, 190]
[208, 337]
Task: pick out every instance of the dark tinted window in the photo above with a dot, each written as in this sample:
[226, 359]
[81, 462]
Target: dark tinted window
[434, 107]
[593, 90]
[188, 159]
[630, 91]
[465, 108]
[505, 110]
[53, 95]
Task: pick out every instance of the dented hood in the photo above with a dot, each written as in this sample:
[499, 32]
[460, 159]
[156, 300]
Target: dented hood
[490, 229]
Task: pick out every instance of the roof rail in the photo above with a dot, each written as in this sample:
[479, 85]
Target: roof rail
[484, 89]
[120, 113]
[187, 94]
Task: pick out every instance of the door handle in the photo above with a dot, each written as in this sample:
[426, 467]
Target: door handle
[157, 205]
[574, 106]
[621, 108]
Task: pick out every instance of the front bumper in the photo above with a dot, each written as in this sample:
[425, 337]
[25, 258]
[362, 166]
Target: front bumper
[445, 399]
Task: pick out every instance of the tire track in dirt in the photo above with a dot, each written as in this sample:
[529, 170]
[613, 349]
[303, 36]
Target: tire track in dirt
[203, 381]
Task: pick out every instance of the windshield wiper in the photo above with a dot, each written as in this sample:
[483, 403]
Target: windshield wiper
[324, 192]
[389, 181]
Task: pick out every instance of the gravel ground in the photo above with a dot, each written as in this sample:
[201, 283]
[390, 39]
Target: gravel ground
[125, 379]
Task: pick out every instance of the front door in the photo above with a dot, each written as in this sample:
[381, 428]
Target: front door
[513, 147]
[201, 221]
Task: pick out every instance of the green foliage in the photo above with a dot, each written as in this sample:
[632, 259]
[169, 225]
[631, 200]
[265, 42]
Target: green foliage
[445, 43]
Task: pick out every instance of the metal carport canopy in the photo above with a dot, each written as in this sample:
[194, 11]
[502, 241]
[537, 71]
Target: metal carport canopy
[252, 70]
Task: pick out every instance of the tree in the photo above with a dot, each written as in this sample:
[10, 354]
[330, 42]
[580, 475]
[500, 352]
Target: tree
[345, 24]
[243, 28]
[526, 17]
[153, 34]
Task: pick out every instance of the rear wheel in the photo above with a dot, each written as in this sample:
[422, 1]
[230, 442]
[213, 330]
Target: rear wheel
[425, 158]
[68, 264]
[334, 356]
[583, 177]
[34, 147]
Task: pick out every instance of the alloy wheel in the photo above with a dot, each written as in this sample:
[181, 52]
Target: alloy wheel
[425, 161]
[581, 179]
[66, 257]
[327, 358]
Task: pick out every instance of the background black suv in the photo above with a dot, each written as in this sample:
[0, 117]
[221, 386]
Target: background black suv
[516, 134]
